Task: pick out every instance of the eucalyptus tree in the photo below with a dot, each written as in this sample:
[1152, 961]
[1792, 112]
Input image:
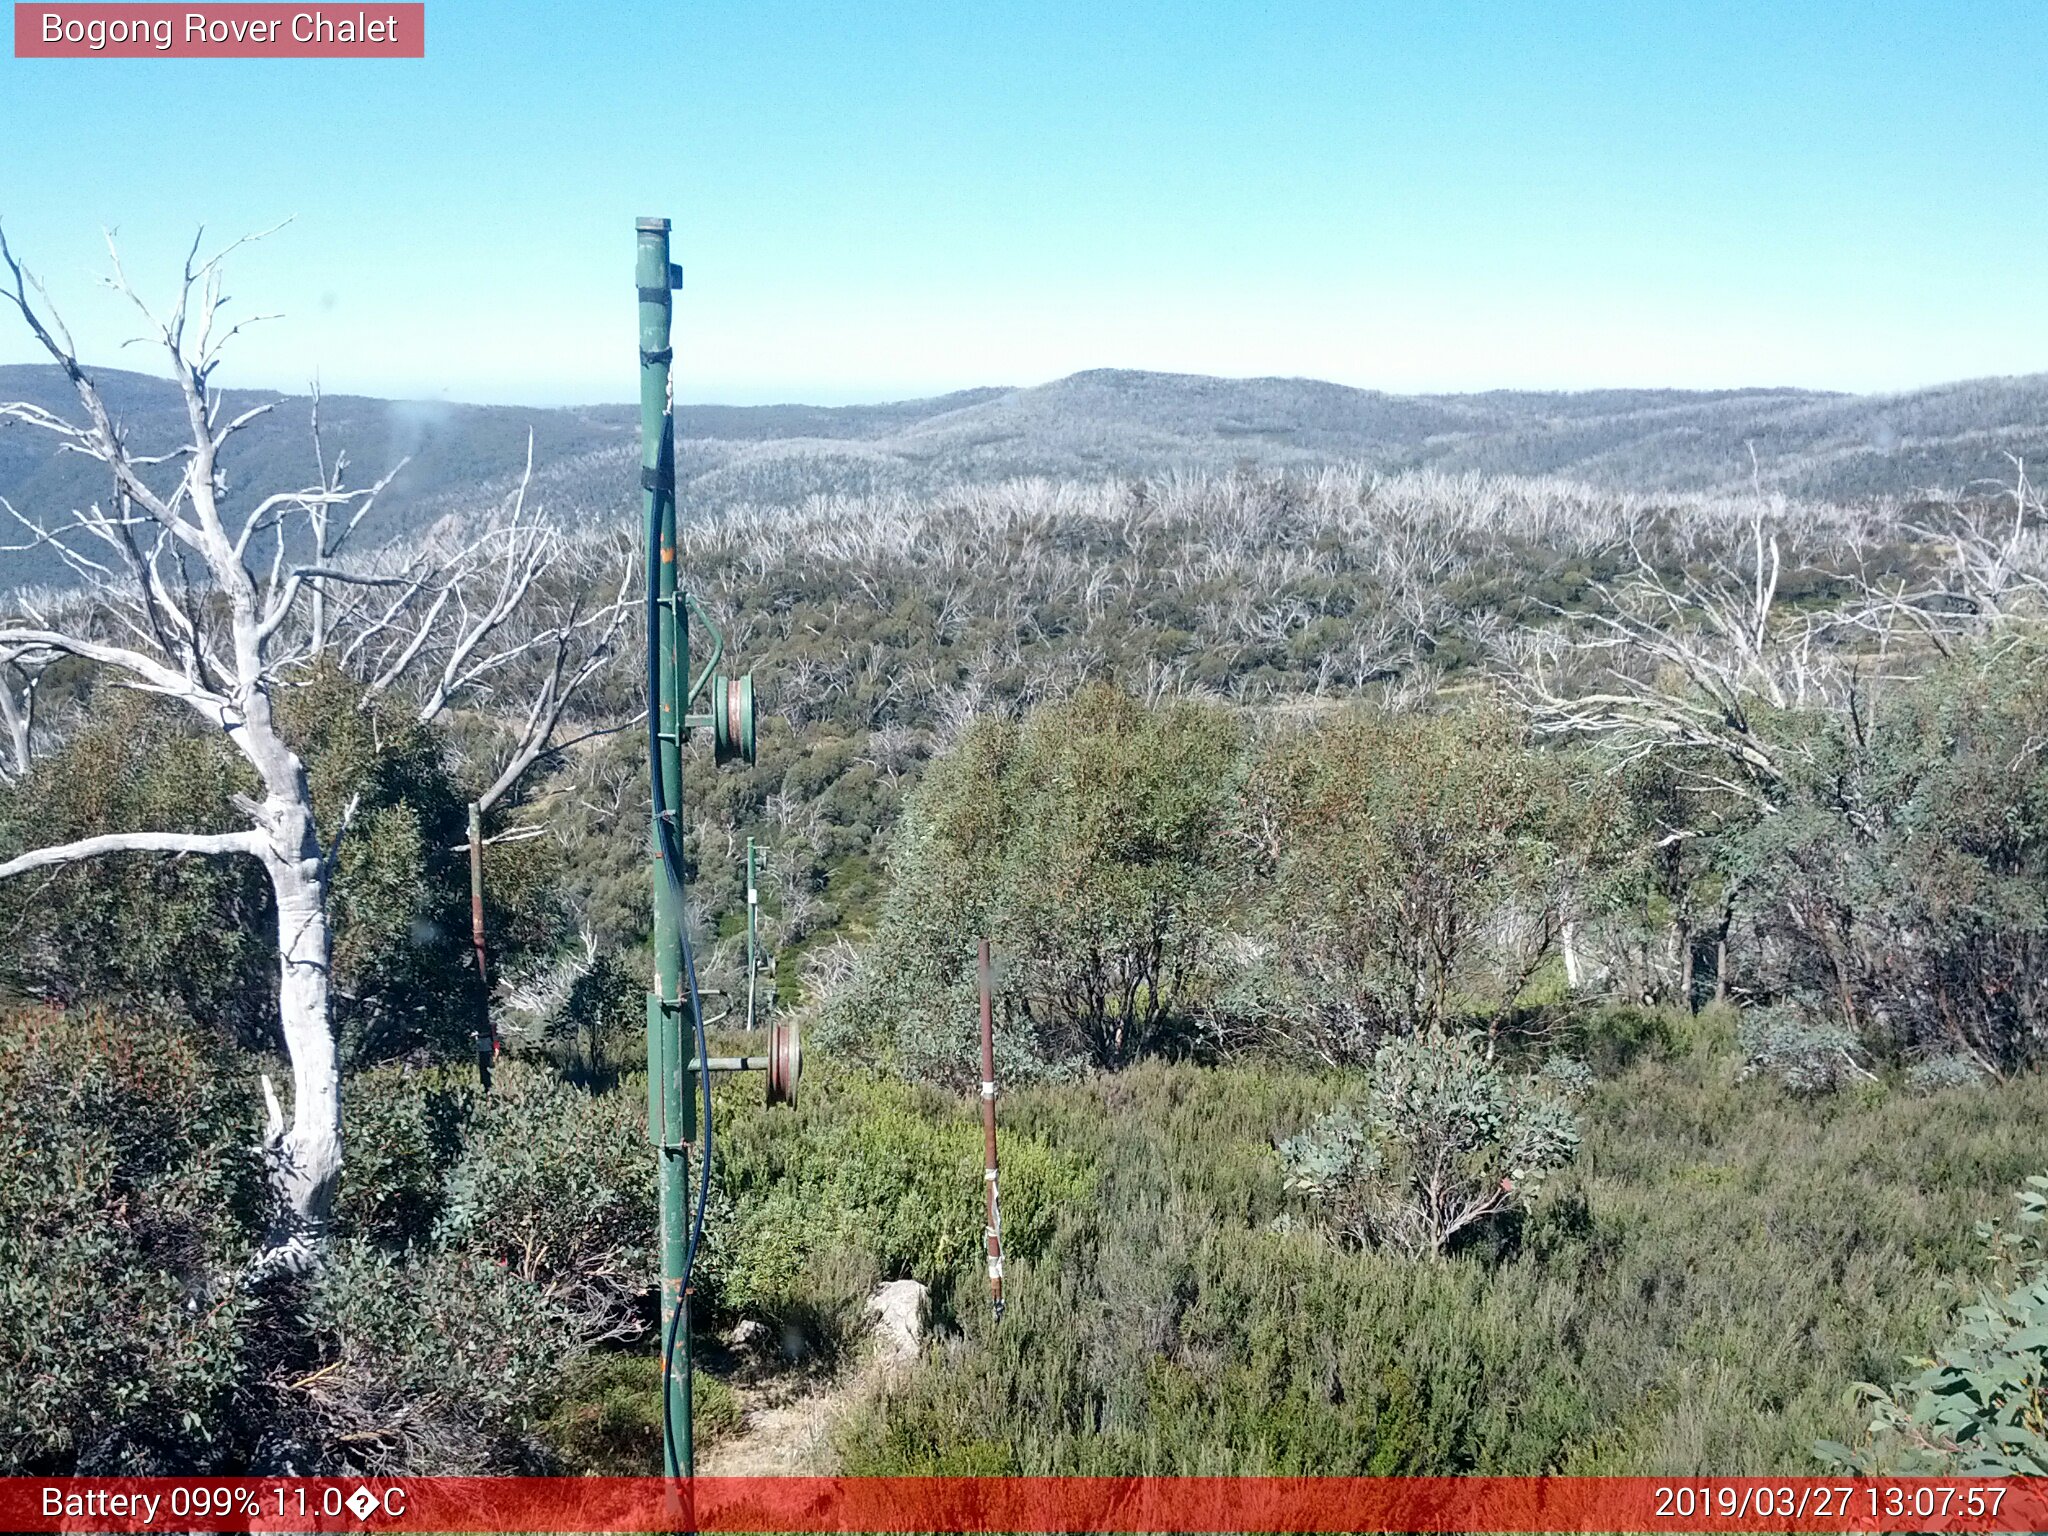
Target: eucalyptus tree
[219, 600]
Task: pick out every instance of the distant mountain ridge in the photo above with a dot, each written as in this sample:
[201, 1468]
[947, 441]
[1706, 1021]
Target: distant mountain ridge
[1105, 422]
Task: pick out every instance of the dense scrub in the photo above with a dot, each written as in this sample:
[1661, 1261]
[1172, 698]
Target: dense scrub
[1691, 1295]
[1693, 1292]
[484, 1247]
[1276, 796]
[128, 1188]
[1191, 879]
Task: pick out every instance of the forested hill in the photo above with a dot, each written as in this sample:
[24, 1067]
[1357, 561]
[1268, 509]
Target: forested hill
[1090, 425]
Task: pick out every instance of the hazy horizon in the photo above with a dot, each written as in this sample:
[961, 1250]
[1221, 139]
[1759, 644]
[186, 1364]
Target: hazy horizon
[876, 397]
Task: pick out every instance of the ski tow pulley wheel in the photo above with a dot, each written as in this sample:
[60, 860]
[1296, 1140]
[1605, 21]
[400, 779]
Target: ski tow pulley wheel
[785, 1062]
[732, 717]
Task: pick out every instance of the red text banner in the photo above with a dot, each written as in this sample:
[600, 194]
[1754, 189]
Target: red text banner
[107, 30]
[1052, 1504]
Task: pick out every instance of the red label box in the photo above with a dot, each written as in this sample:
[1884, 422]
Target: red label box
[1187, 1505]
[106, 29]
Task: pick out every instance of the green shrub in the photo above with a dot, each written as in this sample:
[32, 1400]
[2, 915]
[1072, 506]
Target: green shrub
[1937, 1074]
[866, 1168]
[129, 1196]
[1979, 1408]
[558, 1184]
[436, 1362]
[607, 1417]
[487, 1244]
[1611, 1036]
[1444, 1140]
[872, 1170]
[404, 1131]
[140, 929]
[1803, 1053]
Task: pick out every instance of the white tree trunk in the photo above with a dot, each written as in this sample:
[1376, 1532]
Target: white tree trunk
[305, 1162]
[222, 640]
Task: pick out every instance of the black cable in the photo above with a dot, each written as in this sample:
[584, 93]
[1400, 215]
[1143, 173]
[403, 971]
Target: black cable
[672, 867]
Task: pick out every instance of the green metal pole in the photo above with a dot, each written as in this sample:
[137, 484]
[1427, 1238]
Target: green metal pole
[672, 1100]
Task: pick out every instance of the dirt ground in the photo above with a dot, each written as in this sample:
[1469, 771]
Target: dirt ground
[789, 1420]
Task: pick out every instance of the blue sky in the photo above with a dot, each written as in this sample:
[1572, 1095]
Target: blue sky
[882, 199]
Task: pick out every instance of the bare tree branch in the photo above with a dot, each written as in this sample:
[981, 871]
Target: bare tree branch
[132, 842]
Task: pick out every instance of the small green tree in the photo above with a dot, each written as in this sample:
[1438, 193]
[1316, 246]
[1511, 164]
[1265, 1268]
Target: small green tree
[1672, 898]
[604, 1011]
[1906, 867]
[1418, 872]
[1446, 1138]
[1087, 842]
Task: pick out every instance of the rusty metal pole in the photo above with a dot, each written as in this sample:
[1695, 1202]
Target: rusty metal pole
[487, 1031]
[992, 1233]
[753, 949]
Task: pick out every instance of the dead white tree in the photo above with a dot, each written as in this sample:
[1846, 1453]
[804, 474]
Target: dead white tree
[1694, 648]
[218, 600]
[1993, 572]
[1690, 659]
[21, 675]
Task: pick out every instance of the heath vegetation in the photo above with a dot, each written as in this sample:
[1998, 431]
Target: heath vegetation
[1494, 975]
